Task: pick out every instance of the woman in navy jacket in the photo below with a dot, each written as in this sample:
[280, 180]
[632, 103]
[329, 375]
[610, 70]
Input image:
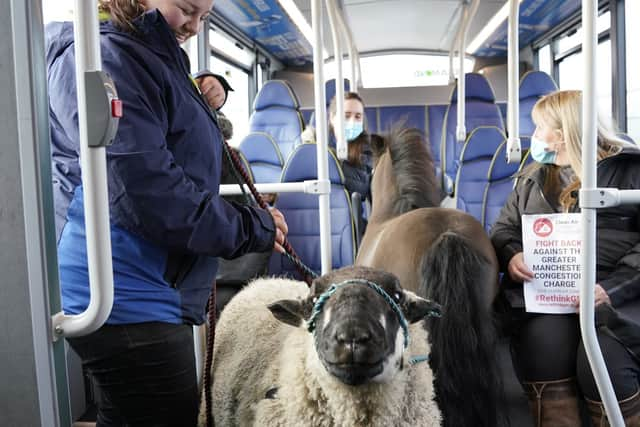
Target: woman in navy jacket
[168, 224]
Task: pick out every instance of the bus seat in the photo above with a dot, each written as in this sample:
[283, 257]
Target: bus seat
[276, 112]
[498, 186]
[503, 112]
[330, 90]
[435, 119]
[329, 93]
[371, 120]
[473, 168]
[302, 214]
[307, 114]
[412, 116]
[481, 110]
[264, 157]
[533, 85]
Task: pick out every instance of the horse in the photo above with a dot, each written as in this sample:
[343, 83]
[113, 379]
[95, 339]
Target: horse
[443, 255]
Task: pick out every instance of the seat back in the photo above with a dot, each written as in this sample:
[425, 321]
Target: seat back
[302, 214]
[276, 111]
[475, 160]
[480, 110]
[329, 94]
[533, 85]
[500, 181]
[263, 156]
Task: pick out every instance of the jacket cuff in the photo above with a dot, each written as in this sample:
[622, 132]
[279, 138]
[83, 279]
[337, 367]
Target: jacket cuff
[507, 252]
[268, 231]
[622, 285]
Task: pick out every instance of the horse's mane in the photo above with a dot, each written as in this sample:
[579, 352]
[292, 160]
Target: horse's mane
[413, 169]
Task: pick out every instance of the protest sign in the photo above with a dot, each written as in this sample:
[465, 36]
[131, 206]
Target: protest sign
[551, 246]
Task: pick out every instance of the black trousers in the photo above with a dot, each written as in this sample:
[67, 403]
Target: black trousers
[547, 347]
[145, 374]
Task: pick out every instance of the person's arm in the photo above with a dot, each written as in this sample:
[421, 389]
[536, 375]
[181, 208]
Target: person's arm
[623, 284]
[214, 87]
[149, 193]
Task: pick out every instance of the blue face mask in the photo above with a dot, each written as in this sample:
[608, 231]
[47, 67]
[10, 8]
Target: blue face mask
[352, 130]
[539, 152]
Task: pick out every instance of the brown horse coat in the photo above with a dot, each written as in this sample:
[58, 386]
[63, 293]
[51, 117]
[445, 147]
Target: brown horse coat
[446, 256]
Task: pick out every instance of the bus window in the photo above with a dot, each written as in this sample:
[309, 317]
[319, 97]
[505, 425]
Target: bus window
[571, 64]
[237, 106]
[545, 62]
[633, 65]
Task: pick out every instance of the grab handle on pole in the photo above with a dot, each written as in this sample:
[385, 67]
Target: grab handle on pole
[98, 112]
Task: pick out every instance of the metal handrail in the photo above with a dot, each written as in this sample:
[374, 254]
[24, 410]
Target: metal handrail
[321, 134]
[341, 142]
[588, 213]
[94, 181]
[469, 13]
[454, 44]
[354, 57]
[514, 153]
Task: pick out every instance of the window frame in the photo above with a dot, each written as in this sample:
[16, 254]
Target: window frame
[616, 34]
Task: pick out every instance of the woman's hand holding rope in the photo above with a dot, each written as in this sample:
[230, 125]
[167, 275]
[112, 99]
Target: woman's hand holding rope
[281, 229]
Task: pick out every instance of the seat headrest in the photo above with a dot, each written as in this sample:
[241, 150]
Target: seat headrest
[534, 84]
[302, 165]
[261, 147]
[476, 87]
[499, 168]
[330, 89]
[276, 93]
[483, 141]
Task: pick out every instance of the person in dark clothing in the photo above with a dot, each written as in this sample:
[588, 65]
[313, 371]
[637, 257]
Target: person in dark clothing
[547, 351]
[357, 166]
[168, 224]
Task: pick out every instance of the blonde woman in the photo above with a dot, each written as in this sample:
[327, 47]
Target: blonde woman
[547, 350]
[168, 223]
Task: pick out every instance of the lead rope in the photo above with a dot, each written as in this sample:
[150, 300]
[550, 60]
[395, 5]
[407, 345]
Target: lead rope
[290, 254]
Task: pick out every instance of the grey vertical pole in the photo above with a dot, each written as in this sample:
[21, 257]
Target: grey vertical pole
[589, 177]
[321, 135]
[33, 390]
[514, 153]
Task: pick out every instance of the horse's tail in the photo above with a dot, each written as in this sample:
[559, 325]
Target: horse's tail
[463, 341]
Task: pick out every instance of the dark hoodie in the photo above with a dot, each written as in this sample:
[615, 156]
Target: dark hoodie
[167, 221]
[618, 228]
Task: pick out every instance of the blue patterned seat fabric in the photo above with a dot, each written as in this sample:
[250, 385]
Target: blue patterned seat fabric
[302, 214]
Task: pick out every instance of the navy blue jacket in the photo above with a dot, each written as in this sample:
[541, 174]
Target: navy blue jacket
[167, 221]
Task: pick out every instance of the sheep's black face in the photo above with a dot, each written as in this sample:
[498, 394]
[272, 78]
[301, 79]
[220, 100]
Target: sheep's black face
[358, 335]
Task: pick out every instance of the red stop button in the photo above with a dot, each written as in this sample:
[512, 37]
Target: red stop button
[116, 108]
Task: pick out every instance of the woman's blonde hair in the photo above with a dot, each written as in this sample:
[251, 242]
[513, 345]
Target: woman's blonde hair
[562, 111]
[122, 12]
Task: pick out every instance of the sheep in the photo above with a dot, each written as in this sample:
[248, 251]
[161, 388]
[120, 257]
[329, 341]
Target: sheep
[353, 370]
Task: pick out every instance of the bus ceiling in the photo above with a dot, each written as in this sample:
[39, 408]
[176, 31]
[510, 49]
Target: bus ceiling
[282, 27]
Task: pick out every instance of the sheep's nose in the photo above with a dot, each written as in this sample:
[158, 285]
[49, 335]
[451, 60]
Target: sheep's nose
[353, 335]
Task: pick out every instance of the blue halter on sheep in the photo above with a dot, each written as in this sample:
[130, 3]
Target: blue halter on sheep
[350, 371]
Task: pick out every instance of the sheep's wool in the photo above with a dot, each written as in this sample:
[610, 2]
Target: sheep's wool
[254, 352]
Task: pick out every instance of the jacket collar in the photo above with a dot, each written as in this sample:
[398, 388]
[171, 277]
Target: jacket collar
[627, 151]
[152, 30]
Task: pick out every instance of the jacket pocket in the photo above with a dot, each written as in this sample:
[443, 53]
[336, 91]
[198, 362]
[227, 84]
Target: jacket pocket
[179, 265]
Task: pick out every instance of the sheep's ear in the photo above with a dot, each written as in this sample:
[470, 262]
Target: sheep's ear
[416, 308]
[291, 312]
